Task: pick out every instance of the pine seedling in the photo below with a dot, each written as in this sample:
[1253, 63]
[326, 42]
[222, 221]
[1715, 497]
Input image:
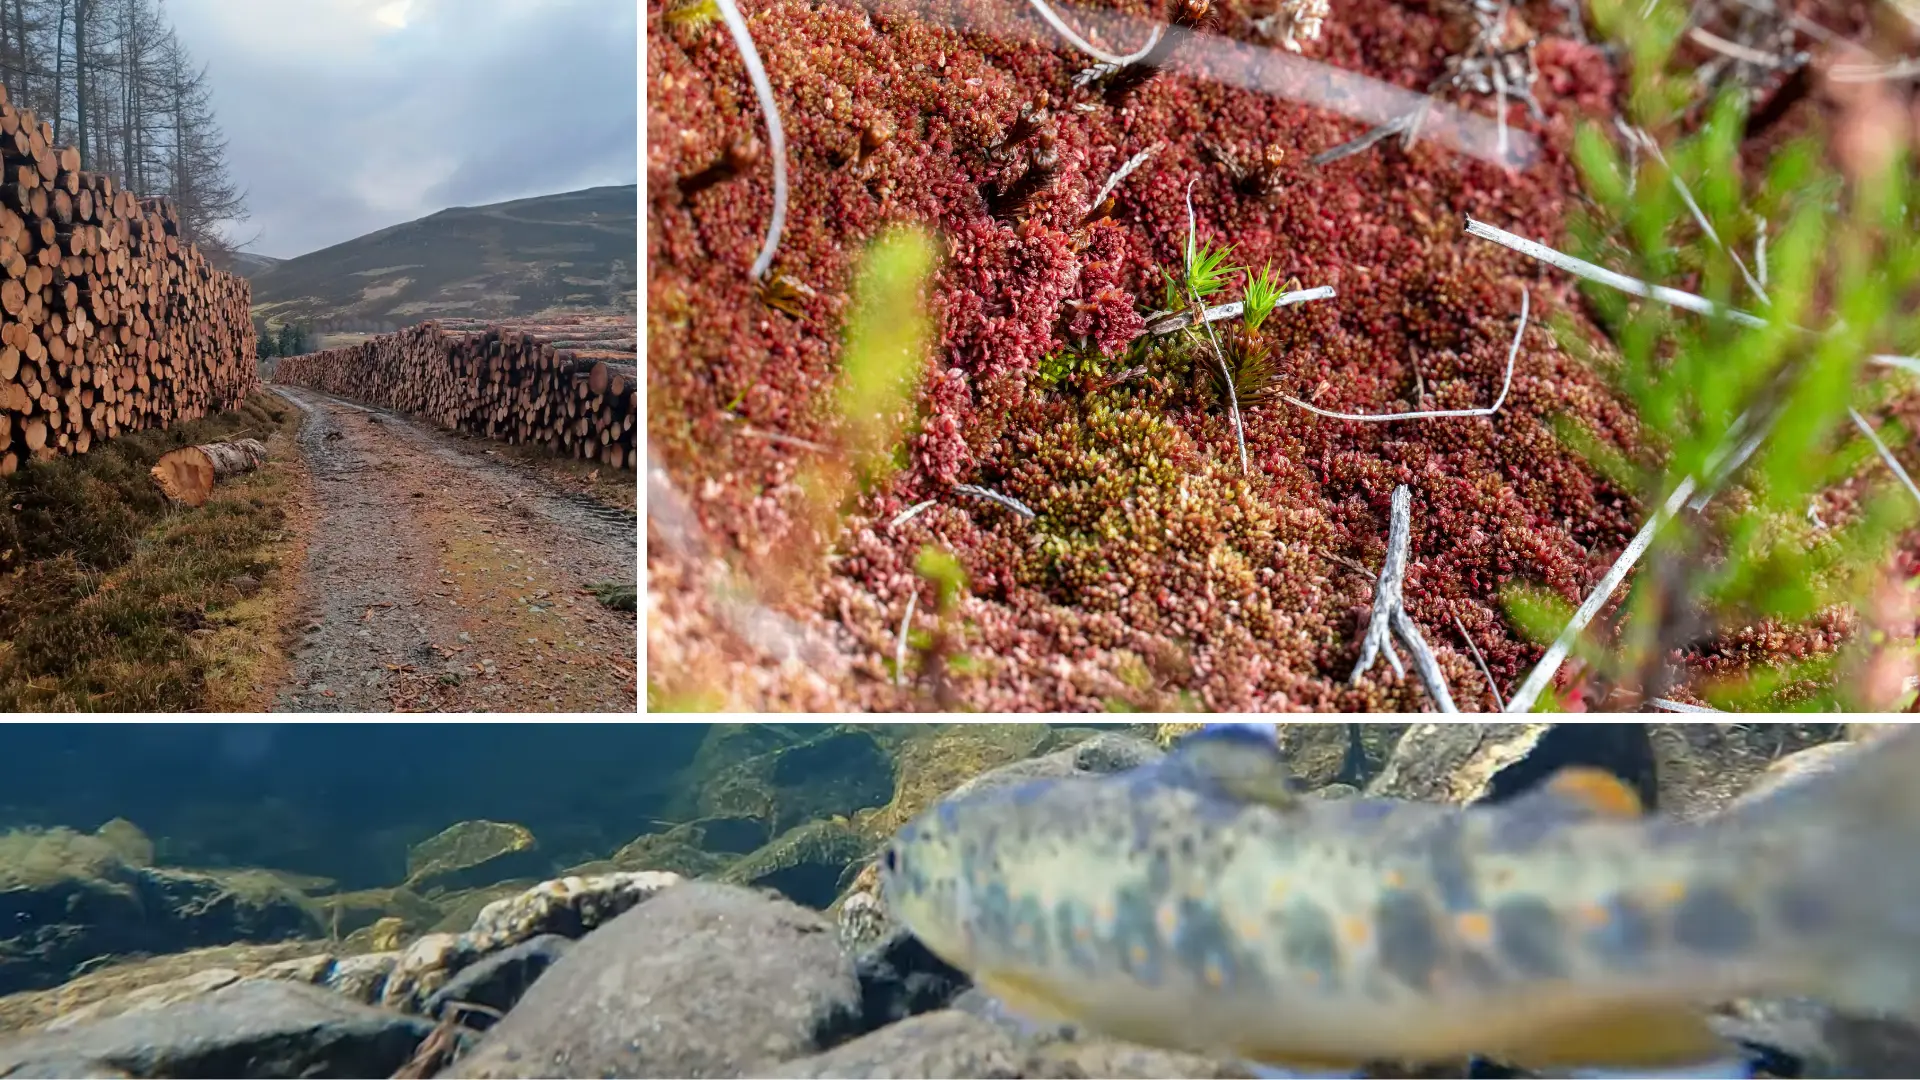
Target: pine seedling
[1263, 292]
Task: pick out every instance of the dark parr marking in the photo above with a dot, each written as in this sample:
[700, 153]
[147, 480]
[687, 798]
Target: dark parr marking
[1623, 934]
[1307, 941]
[1527, 934]
[1802, 909]
[1449, 865]
[1409, 943]
[1205, 948]
[1711, 920]
[1136, 937]
[1076, 937]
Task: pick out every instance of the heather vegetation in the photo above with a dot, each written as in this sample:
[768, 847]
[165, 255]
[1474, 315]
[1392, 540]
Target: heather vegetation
[1129, 470]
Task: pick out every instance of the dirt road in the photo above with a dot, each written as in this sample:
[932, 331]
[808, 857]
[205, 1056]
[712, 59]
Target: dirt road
[441, 577]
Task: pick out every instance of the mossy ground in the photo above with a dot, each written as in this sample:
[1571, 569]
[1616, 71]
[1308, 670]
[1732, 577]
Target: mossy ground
[1156, 574]
[112, 599]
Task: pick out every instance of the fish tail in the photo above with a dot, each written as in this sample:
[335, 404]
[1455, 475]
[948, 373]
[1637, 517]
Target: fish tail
[1844, 844]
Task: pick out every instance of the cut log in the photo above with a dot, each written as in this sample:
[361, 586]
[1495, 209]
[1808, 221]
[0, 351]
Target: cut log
[111, 323]
[187, 475]
[516, 381]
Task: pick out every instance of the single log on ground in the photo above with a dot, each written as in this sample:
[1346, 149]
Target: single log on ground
[188, 474]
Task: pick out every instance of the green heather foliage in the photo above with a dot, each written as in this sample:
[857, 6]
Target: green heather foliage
[1752, 555]
[886, 349]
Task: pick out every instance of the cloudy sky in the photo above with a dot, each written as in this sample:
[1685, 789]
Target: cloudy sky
[347, 116]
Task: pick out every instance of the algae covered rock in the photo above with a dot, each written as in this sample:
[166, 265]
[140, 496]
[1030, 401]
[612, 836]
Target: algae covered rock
[344, 914]
[807, 865]
[1704, 767]
[934, 759]
[128, 841]
[1465, 763]
[833, 771]
[68, 899]
[452, 857]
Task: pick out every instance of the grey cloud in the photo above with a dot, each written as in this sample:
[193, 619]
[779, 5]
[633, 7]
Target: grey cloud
[479, 101]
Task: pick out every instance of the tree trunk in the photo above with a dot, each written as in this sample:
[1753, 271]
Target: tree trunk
[187, 475]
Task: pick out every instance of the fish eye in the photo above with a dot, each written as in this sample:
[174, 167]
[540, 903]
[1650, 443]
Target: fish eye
[890, 862]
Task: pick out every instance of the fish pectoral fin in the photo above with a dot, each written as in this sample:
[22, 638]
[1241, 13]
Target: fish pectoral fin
[1025, 996]
[1652, 1036]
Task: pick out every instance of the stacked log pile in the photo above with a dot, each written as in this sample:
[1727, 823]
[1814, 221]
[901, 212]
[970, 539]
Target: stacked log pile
[109, 321]
[569, 383]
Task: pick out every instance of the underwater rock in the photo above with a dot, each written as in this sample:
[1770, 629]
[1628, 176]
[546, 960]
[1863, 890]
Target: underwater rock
[1465, 763]
[1814, 1040]
[934, 759]
[900, 977]
[30, 1009]
[860, 916]
[1109, 752]
[806, 864]
[704, 980]
[568, 906]
[498, 981]
[67, 898]
[253, 1028]
[360, 978]
[696, 849]
[424, 967]
[943, 1045]
[147, 998]
[463, 907]
[1103, 1058]
[344, 914]
[1704, 767]
[836, 771]
[127, 841]
[450, 857]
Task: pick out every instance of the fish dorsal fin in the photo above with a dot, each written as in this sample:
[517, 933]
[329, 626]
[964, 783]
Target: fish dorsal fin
[1581, 792]
[1239, 761]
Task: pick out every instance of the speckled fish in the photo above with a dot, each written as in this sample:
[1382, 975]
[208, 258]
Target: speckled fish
[1204, 904]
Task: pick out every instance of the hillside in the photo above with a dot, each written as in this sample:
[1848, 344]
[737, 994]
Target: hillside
[568, 251]
[245, 263]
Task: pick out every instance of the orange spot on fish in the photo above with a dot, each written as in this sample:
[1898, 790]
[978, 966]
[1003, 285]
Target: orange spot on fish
[1474, 926]
[1167, 918]
[1277, 891]
[1593, 916]
[1597, 790]
[1355, 930]
[1103, 914]
[1214, 976]
[1139, 955]
[1394, 879]
[1249, 929]
[1670, 892]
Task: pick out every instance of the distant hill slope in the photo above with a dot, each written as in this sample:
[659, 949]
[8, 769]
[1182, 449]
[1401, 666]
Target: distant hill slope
[571, 251]
[246, 263]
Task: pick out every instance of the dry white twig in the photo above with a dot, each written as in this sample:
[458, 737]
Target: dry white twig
[1686, 196]
[1908, 363]
[1007, 501]
[900, 650]
[790, 440]
[1166, 322]
[911, 512]
[1886, 455]
[1060, 27]
[1390, 618]
[1498, 705]
[1123, 171]
[1709, 40]
[1585, 269]
[1513, 351]
[1900, 69]
[1549, 664]
[776, 135]
[1664, 705]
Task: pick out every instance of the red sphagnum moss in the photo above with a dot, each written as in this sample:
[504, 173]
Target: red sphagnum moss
[1155, 572]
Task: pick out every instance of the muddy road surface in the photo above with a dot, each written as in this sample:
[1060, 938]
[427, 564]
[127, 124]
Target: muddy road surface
[441, 577]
